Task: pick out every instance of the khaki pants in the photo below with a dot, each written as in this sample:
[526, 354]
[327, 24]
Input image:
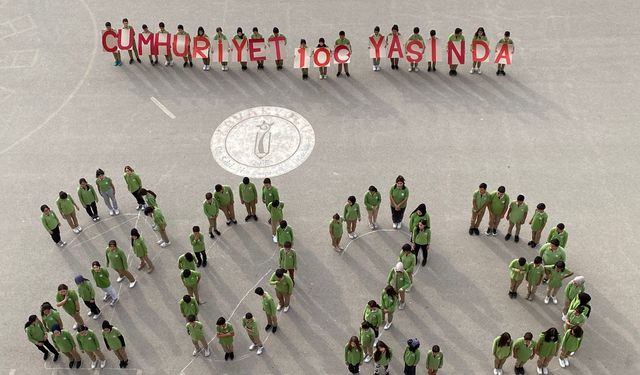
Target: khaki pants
[544, 361]
[121, 354]
[213, 223]
[71, 219]
[97, 353]
[274, 226]
[145, 261]
[78, 319]
[519, 364]
[565, 308]
[251, 207]
[564, 354]
[127, 274]
[494, 220]
[517, 225]
[373, 214]
[255, 340]
[283, 299]
[389, 315]
[335, 241]
[163, 232]
[202, 341]
[531, 289]
[535, 235]
[476, 217]
[498, 363]
[272, 320]
[514, 285]
[227, 210]
[193, 292]
[72, 355]
[351, 226]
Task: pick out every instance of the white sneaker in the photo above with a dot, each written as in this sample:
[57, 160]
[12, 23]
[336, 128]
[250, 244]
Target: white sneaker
[395, 226]
[139, 207]
[374, 68]
[555, 300]
[166, 63]
[75, 230]
[75, 325]
[321, 76]
[95, 317]
[545, 370]
[350, 235]
[416, 69]
[93, 219]
[400, 225]
[546, 300]
[119, 279]
[93, 364]
[401, 306]
[286, 308]
[564, 317]
[539, 370]
[371, 226]
[473, 70]
[103, 363]
[63, 244]
[499, 371]
[566, 362]
[165, 244]
[89, 313]
[253, 347]
[204, 68]
[410, 69]
[79, 228]
[379, 68]
[207, 352]
[355, 235]
[105, 297]
[279, 307]
[260, 350]
[275, 239]
[367, 359]
[495, 371]
[111, 213]
[478, 71]
[561, 361]
[159, 241]
[117, 212]
[97, 218]
[388, 325]
[132, 284]
[113, 302]
[60, 244]
[195, 352]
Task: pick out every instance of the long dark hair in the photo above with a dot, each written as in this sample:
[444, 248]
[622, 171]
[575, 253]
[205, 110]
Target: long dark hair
[45, 306]
[477, 31]
[134, 233]
[390, 291]
[505, 339]
[32, 318]
[356, 340]
[584, 299]
[422, 208]
[551, 335]
[377, 355]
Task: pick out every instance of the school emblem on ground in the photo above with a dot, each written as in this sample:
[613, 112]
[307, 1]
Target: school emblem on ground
[262, 141]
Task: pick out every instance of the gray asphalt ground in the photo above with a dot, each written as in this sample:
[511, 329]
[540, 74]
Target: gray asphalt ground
[559, 128]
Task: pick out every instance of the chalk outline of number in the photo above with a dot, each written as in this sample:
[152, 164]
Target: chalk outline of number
[260, 140]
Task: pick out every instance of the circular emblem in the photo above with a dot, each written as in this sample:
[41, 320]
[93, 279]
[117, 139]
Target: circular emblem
[262, 142]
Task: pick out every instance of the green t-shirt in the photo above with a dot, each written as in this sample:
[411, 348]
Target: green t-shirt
[64, 341]
[284, 234]
[501, 352]
[184, 264]
[210, 208]
[288, 259]
[251, 326]
[197, 244]
[456, 38]
[550, 257]
[351, 212]
[158, 217]
[284, 286]
[384, 360]
[50, 221]
[248, 192]
[256, 36]
[570, 343]
[434, 361]
[219, 36]
[538, 221]
[134, 183]
[556, 277]
[101, 278]
[399, 195]
[192, 280]
[374, 317]
[224, 197]
[89, 342]
[408, 261]
[398, 280]
[523, 352]
[66, 206]
[353, 356]
[86, 292]
[366, 337]
[36, 332]
[151, 200]
[190, 308]
[414, 219]
[336, 228]
[103, 185]
[195, 330]
[113, 338]
[547, 349]
[498, 205]
[562, 237]
[70, 305]
[572, 290]
[372, 200]
[387, 302]
[268, 304]
[421, 237]
[411, 358]
[534, 273]
[87, 196]
[276, 212]
[269, 195]
[518, 272]
[52, 319]
[518, 212]
[140, 247]
[227, 328]
[480, 199]
[576, 319]
[117, 259]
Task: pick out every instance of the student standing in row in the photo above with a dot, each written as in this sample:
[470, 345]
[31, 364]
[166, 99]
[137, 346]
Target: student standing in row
[50, 316]
[342, 40]
[240, 36]
[518, 268]
[51, 224]
[420, 213]
[335, 231]
[288, 260]
[197, 244]
[366, 336]
[275, 210]
[373, 315]
[516, 216]
[398, 196]
[411, 356]
[322, 69]
[276, 34]
[117, 259]
[552, 252]
[88, 343]
[145, 30]
[571, 291]
[408, 259]
[217, 38]
[376, 36]
[556, 274]
[571, 342]
[107, 191]
[421, 240]
[269, 194]
[134, 50]
[251, 326]
[388, 304]
[195, 330]
[560, 233]
[101, 277]
[191, 281]
[225, 336]
[305, 71]
[546, 348]
[415, 36]
[432, 62]
[351, 215]
[389, 39]
[502, 347]
[523, 351]
[168, 56]
[455, 37]
[211, 208]
[284, 288]
[284, 233]
[189, 307]
[372, 200]
[248, 197]
[70, 302]
[116, 54]
[114, 341]
[535, 272]
[269, 308]
[88, 199]
[187, 261]
[37, 335]
[575, 318]
[353, 355]
[435, 360]
[257, 35]
[400, 281]
[479, 36]
[161, 224]
[134, 183]
[88, 295]
[381, 357]
[537, 222]
[478, 207]
[64, 343]
[505, 40]
[187, 57]
[498, 204]
[140, 250]
[149, 197]
[66, 206]
[224, 196]
[206, 61]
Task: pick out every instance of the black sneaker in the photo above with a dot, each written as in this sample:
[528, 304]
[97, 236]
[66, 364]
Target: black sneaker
[455, 72]
[79, 363]
[498, 72]
[121, 364]
[434, 68]
[229, 222]
[184, 65]
[247, 218]
[533, 245]
[279, 67]
[515, 295]
[529, 243]
[476, 231]
[503, 73]
[507, 237]
[216, 232]
[46, 356]
[199, 264]
[244, 68]
[516, 239]
[495, 231]
[231, 356]
[338, 74]
[125, 363]
[428, 69]
[139, 61]
[211, 235]
[226, 356]
[255, 218]
[348, 75]
[424, 262]
[274, 329]
[471, 231]
[130, 61]
[72, 363]
[267, 327]
[269, 221]
[191, 64]
[56, 356]
[234, 221]
[451, 72]
[488, 232]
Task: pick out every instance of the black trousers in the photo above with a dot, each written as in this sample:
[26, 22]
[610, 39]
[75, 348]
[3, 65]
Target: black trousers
[93, 307]
[354, 369]
[201, 258]
[409, 370]
[138, 197]
[376, 331]
[92, 209]
[55, 234]
[46, 344]
[425, 251]
[397, 216]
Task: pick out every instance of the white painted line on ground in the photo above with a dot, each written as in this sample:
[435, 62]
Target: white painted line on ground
[100, 234]
[367, 233]
[12, 371]
[163, 108]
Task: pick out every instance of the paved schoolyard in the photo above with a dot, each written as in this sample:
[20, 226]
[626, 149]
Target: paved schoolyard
[560, 128]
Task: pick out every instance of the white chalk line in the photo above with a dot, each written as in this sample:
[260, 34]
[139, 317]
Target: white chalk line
[368, 233]
[229, 318]
[163, 108]
[99, 234]
[96, 223]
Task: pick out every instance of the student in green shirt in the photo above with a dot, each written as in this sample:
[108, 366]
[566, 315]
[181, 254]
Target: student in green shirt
[275, 209]
[400, 281]
[411, 356]
[398, 197]
[381, 357]
[51, 224]
[257, 35]
[478, 207]
[415, 36]
[251, 326]
[546, 348]
[134, 50]
[556, 274]
[582, 299]
[140, 250]
[560, 233]
[323, 69]
[168, 57]
[198, 245]
[147, 33]
[189, 307]
[240, 36]
[288, 260]
[366, 336]
[225, 336]
[186, 261]
[303, 47]
[342, 40]
[353, 355]
[498, 204]
[351, 215]
[101, 277]
[395, 32]
[335, 231]
[216, 38]
[37, 335]
[211, 208]
[373, 315]
[224, 196]
[107, 191]
[134, 184]
[276, 34]
[575, 318]
[372, 199]
[506, 40]
[479, 36]
[284, 288]
[195, 330]
[248, 196]
[269, 194]
[187, 58]
[191, 281]
[64, 343]
[116, 54]
[149, 197]
[88, 295]
[114, 341]
[88, 199]
[455, 37]
[284, 233]
[523, 351]
[571, 291]
[502, 346]
[535, 272]
[70, 302]
[421, 240]
[518, 268]
[88, 343]
[117, 259]
[420, 213]
[269, 308]
[50, 316]
[388, 304]
[516, 216]
[552, 252]
[435, 360]
[537, 222]
[66, 206]
[376, 36]
[571, 342]
[159, 220]
[206, 61]
[432, 63]
[408, 259]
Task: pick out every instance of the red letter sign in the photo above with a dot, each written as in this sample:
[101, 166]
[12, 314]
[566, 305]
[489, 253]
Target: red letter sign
[434, 49]
[277, 44]
[455, 52]
[415, 51]
[504, 54]
[241, 49]
[395, 50]
[341, 54]
[257, 50]
[301, 59]
[321, 57]
[201, 47]
[181, 45]
[125, 39]
[375, 45]
[109, 40]
[147, 44]
[484, 48]
[163, 43]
